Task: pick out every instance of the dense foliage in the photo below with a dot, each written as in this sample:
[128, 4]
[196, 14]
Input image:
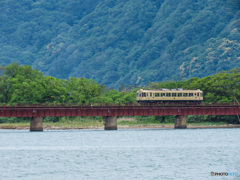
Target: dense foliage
[220, 88]
[121, 41]
[22, 84]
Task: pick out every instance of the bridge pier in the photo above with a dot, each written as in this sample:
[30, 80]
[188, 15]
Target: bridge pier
[180, 122]
[110, 122]
[36, 124]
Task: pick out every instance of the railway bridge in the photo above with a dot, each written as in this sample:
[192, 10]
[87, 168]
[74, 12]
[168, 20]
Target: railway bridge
[36, 112]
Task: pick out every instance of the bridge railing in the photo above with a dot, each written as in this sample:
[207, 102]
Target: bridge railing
[98, 105]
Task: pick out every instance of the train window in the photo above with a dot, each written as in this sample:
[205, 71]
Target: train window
[162, 94]
[150, 94]
[174, 94]
[140, 95]
[185, 94]
[156, 94]
[197, 94]
[190, 94]
[147, 94]
[179, 94]
[168, 94]
[143, 94]
[201, 94]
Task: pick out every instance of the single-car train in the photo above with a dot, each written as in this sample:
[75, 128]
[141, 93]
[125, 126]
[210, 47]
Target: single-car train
[161, 96]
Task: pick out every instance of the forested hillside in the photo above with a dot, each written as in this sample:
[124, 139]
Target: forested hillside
[121, 41]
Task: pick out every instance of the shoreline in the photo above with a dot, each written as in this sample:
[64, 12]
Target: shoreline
[140, 126]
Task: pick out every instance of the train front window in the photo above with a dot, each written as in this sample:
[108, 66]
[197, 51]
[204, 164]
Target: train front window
[179, 94]
[197, 94]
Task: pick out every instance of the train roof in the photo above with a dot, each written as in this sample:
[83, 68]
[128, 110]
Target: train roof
[173, 90]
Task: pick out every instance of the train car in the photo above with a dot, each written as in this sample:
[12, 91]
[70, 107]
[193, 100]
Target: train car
[160, 96]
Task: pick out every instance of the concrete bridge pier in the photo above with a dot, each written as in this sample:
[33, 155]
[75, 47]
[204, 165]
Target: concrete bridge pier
[110, 122]
[36, 124]
[180, 122]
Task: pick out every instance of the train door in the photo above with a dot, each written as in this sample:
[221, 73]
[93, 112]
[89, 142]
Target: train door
[139, 95]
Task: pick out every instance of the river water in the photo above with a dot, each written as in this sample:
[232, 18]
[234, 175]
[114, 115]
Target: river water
[121, 154]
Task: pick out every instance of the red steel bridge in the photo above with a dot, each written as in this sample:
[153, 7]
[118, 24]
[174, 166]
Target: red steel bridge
[110, 112]
[41, 110]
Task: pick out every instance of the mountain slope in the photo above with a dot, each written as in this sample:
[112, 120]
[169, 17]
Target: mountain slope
[128, 41]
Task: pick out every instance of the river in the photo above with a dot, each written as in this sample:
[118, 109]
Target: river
[122, 154]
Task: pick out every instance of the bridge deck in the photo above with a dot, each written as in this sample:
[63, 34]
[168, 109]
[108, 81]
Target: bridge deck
[114, 110]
